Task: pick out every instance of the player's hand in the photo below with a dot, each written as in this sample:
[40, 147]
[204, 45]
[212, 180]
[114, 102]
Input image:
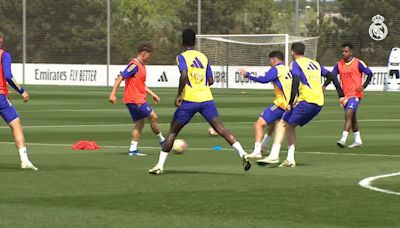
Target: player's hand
[243, 72]
[289, 107]
[112, 99]
[25, 96]
[178, 101]
[360, 89]
[156, 99]
[343, 102]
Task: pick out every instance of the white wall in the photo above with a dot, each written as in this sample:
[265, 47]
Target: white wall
[157, 75]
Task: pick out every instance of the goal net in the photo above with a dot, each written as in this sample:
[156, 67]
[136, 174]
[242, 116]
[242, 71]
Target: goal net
[229, 52]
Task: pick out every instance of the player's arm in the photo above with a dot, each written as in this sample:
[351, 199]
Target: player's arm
[209, 75]
[182, 80]
[332, 78]
[296, 72]
[151, 93]
[6, 62]
[328, 81]
[366, 70]
[269, 76]
[129, 71]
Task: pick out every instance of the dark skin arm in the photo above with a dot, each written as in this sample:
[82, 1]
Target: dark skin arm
[210, 81]
[182, 82]
[336, 83]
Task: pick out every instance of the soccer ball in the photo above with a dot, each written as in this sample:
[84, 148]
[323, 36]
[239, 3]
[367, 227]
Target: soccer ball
[212, 132]
[179, 146]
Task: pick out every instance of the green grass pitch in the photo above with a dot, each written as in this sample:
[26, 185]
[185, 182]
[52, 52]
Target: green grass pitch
[202, 188]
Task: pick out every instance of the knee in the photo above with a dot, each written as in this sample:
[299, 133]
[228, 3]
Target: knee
[153, 117]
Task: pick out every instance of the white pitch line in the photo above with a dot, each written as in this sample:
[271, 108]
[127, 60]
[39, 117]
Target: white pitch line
[367, 183]
[209, 149]
[117, 125]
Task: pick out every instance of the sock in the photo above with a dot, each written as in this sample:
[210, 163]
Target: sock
[160, 137]
[344, 136]
[239, 149]
[23, 154]
[257, 148]
[265, 141]
[133, 146]
[357, 136]
[290, 154]
[162, 159]
[275, 150]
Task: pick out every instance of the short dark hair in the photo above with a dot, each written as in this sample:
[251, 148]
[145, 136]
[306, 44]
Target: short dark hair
[276, 54]
[188, 37]
[298, 48]
[347, 44]
[145, 47]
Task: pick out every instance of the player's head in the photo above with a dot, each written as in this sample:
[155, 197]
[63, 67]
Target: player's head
[145, 51]
[188, 38]
[298, 50]
[275, 57]
[347, 50]
[1, 39]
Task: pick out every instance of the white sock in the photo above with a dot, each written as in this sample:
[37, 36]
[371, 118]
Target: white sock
[133, 146]
[257, 148]
[161, 160]
[239, 149]
[265, 141]
[344, 136]
[23, 154]
[275, 150]
[357, 136]
[160, 137]
[290, 153]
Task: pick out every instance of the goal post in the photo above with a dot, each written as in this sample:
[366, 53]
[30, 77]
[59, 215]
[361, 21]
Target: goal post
[226, 52]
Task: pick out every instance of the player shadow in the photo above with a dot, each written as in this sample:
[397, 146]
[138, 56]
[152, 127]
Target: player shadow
[10, 168]
[68, 168]
[196, 172]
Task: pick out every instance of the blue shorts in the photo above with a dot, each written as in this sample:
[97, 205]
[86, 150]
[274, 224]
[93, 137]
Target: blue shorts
[301, 114]
[139, 111]
[353, 103]
[188, 109]
[7, 110]
[272, 114]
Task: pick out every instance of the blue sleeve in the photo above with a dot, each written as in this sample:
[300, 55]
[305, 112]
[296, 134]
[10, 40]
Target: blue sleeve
[181, 63]
[209, 73]
[335, 70]
[269, 76]
[324, 71]
[296, 70]
[364, 68]
[129, 71]
[6, 62]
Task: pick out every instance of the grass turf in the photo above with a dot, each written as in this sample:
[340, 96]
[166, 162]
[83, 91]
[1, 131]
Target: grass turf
[202, 188]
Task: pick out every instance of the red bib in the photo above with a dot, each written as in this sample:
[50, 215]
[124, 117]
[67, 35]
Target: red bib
[351, 77]
[135, 87]
[3, 83]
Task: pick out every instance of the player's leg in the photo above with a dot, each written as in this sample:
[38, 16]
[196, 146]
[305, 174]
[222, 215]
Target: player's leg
[258, 127]
[182, 116]
[269, 116]
[10, 116]
[209, 111]
[138, 113]
[267, 137]
[136, 134]
[291, 138]
[153, 118]
[19, 139]
[355, 127]
[280, 131]
[350, 108]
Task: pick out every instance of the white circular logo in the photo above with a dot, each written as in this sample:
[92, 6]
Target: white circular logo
[378, 30]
